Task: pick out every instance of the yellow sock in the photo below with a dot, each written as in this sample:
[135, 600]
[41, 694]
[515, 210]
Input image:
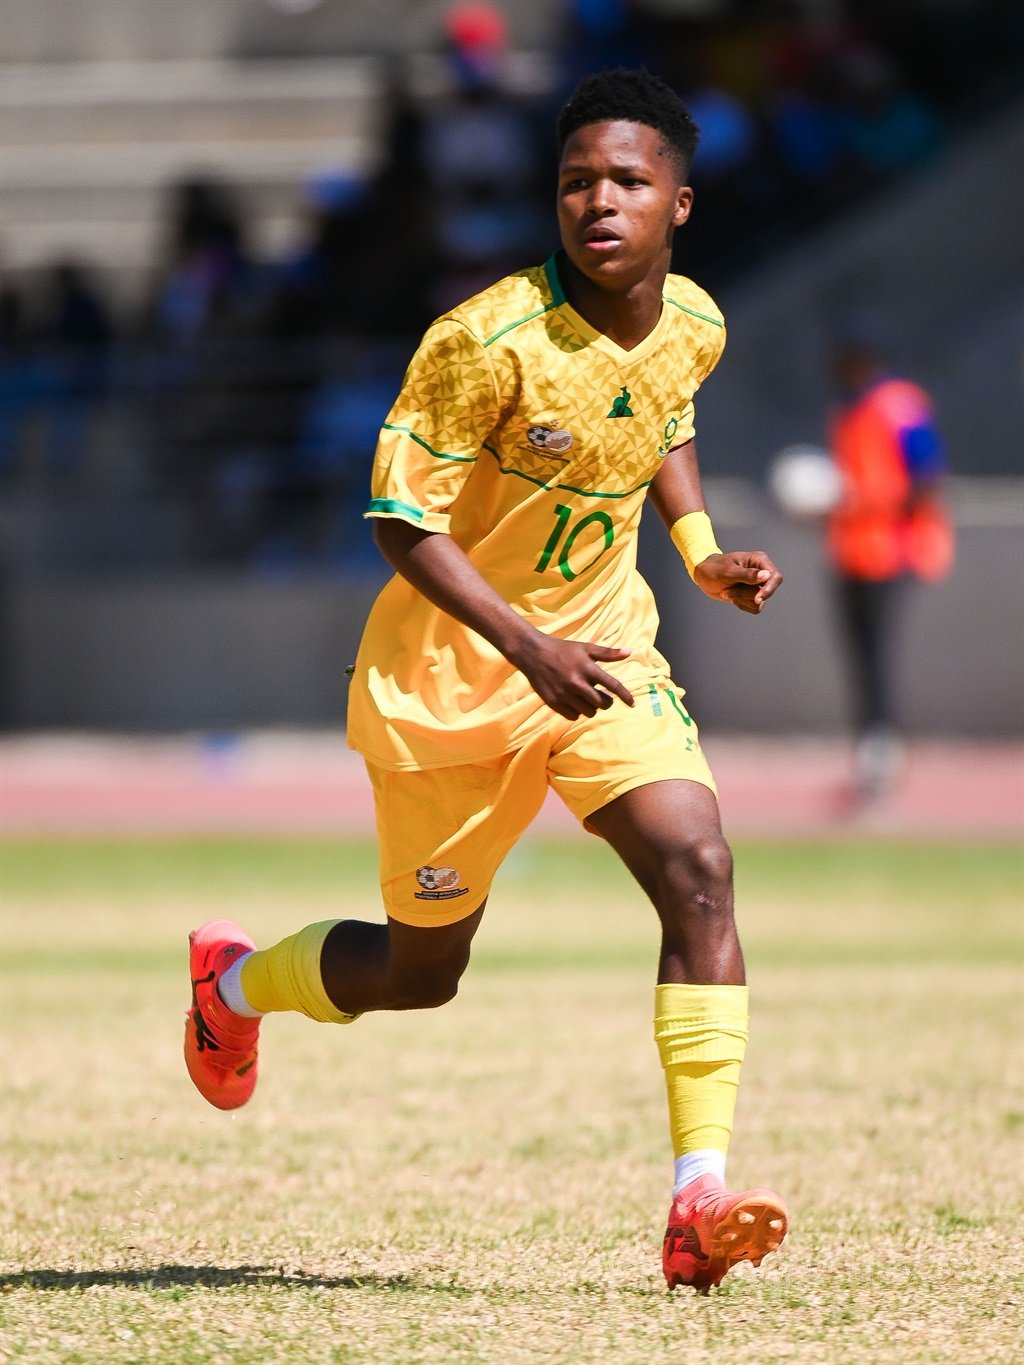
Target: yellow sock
[287, 977]
[701, 1032]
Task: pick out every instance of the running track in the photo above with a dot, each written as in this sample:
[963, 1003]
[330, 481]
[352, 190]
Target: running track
[280, 783]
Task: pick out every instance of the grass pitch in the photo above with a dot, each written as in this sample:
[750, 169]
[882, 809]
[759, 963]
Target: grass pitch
[489, 1182]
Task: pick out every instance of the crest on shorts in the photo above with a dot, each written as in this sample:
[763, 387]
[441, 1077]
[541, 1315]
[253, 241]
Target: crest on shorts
[439, 883]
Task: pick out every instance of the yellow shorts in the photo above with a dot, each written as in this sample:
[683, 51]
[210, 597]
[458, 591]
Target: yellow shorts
[443, 832]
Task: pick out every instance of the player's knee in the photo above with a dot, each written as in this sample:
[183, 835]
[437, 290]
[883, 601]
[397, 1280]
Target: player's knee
[712, 862]
[428, 994]
[700, 876]
[440, 987]
[430, 987]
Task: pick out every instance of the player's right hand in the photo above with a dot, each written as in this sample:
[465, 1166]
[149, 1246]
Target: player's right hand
[566, 674]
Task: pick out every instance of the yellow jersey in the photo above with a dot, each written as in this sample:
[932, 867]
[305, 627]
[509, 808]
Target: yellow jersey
[531, 439]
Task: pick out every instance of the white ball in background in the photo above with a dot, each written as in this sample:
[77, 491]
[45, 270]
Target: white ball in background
[804, 481]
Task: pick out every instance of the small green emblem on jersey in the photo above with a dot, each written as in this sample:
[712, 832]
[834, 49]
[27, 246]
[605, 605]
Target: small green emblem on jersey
[668, 436]
[621, 408]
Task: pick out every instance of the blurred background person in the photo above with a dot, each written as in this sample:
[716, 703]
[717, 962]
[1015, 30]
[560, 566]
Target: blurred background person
[55, 371]
[76, 336]
[889, 526]
[19, 378]
[480, 154]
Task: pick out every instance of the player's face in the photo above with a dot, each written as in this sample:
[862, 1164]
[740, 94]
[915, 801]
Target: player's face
[619, 201]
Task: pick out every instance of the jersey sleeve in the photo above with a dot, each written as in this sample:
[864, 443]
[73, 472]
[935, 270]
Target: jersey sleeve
[704, 361]
[447, 407]
[710, 353]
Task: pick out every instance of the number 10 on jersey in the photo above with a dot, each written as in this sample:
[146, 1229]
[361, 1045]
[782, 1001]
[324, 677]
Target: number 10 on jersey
[563, 538]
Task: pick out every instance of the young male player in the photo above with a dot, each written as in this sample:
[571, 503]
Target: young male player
[514, 649]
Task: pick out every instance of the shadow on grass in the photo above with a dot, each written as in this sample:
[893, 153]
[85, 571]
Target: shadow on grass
[208, 1277]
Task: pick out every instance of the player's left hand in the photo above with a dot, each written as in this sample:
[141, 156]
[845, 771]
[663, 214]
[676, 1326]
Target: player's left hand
[746, 578]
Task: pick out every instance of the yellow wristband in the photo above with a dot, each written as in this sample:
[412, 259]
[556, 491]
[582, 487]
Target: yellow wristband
[694, 538]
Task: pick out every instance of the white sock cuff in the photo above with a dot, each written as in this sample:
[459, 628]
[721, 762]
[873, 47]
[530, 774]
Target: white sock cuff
[691, 1165]
[229, 988]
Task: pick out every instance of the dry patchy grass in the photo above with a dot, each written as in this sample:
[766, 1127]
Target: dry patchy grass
[488, 1182]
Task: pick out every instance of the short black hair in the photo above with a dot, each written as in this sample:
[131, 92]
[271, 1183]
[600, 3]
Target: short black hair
[635, 96]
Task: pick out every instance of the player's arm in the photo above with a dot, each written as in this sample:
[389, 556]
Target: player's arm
[566, 674]
[746, 578]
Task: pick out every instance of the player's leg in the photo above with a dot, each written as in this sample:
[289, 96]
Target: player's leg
[668, 834]
[442, 834]
[639, 779]
[396, 966]
[368, 966]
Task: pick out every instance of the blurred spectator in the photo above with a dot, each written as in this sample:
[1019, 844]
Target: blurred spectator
[478, 34]
[323, 494]
[76, 335]
[77, 317]
[207, 275]
[890, 525]
[596, 34]
[218, 404]
[479, 159]
[20, 379]
[883, 126]
[961, 57]
[733, 187]
[325, 286]
[801, 115]
[362, 268]
[54, 371]
[804, 128]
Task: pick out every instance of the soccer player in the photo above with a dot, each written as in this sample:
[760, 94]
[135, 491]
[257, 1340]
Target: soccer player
[514, 650]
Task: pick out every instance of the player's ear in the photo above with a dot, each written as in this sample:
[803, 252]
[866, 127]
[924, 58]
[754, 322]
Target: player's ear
[684, 203]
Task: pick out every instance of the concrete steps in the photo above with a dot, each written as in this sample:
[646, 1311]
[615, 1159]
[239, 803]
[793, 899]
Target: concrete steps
[87, 150]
